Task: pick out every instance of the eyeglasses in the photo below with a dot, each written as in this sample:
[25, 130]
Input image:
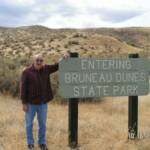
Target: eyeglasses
[39, 60]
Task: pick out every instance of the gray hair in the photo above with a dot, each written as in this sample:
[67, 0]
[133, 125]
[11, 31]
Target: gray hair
[37, 56]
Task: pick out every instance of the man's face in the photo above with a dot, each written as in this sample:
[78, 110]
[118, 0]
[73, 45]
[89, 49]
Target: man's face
[38, 62]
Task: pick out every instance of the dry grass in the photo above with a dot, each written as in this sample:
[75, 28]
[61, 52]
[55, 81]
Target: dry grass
[102, 126]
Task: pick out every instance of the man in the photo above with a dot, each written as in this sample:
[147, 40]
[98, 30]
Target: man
[35, 93]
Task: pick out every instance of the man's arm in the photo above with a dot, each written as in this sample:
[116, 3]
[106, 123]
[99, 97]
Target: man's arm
[23, 87]
[52, 68]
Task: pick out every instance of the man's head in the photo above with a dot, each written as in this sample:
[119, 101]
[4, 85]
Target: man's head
[38, 61]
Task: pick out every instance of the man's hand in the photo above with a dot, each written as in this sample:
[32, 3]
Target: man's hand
[25, 107]
[66, 55]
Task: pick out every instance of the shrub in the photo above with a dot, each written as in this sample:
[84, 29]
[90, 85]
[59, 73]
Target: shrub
[73, 42]
[79, 35]
[9, 76]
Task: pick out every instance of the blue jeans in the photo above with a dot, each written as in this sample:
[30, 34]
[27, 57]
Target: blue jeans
[41, 111]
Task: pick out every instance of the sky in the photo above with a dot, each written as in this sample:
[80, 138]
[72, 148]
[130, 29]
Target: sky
[75, 13]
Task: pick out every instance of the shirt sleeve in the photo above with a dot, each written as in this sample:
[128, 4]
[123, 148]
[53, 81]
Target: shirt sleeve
[52, 68]
[23, 87]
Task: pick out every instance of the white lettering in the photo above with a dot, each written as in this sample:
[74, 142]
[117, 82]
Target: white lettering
[76, 91]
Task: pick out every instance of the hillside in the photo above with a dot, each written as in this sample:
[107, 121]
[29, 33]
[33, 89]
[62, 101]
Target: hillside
[27, 41]
[134, 36]
[18, 45]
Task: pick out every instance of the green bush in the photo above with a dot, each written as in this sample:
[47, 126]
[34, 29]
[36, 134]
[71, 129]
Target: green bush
[73, 42]
[9, 76]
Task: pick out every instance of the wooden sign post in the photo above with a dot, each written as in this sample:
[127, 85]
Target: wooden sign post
[73, 118]
[133, 112]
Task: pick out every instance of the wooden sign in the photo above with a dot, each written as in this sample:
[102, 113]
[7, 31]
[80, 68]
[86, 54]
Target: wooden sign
[90, 77]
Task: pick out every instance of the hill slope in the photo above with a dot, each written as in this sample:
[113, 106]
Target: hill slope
[17, 45]
[27, 41]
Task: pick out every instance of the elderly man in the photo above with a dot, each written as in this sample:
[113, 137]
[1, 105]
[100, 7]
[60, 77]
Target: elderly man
[35, 93]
